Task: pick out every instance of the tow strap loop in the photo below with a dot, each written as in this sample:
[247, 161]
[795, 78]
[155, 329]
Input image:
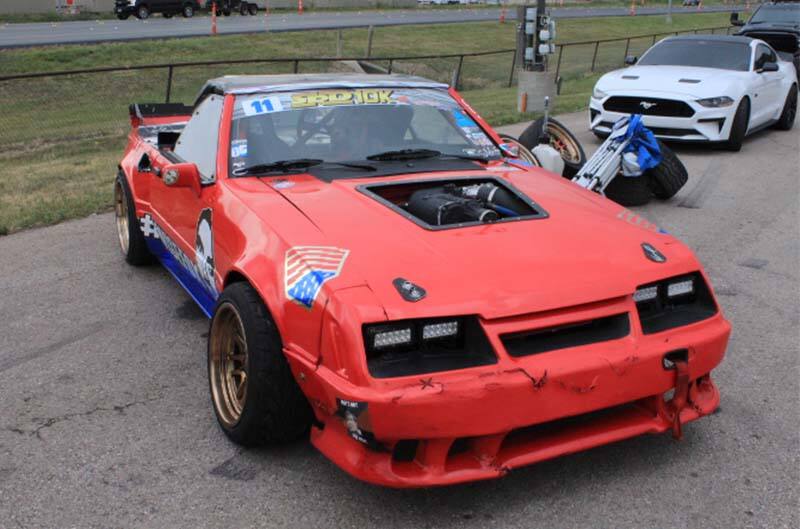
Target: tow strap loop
[681, 396]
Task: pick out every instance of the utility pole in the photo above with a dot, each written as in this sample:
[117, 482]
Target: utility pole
[669, 12]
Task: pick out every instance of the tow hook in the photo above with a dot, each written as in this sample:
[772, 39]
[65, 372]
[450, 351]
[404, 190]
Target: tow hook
[679, 361]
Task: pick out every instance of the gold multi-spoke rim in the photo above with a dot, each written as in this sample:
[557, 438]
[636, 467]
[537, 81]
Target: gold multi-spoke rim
[121, 213]
[524, 153]
[228, 364]
[561, 141]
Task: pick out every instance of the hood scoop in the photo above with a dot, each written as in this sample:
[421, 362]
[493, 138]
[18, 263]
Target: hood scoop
[689, 81]
[455, 202]
[631, 77]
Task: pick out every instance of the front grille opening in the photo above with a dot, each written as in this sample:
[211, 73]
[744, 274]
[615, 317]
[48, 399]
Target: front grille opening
[405, 450]
[460, 446]
[649, 106]
[563, 336]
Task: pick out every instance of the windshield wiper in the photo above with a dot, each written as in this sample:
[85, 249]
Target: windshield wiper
[295, 164]
[404, 154]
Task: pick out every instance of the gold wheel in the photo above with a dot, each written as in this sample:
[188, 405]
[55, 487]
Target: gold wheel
[228, 364]
[561, 141]
[121, 213]
[524, 153]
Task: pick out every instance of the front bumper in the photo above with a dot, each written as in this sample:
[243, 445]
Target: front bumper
[706, 125]
[478, 423]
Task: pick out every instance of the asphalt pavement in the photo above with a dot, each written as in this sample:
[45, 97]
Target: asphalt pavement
[105, 418]
[81, 32]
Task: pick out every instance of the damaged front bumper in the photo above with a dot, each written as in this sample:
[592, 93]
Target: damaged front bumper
[478, 423]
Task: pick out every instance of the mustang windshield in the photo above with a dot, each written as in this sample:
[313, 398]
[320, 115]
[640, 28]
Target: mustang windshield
[701, 53]
[352, 124]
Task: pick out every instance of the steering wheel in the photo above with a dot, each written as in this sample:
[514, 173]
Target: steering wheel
[307, 128]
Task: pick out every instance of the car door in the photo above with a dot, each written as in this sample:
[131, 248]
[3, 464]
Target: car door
[767, 89]
[183, 214]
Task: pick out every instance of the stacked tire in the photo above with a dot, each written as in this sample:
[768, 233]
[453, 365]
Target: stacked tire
[662, 181]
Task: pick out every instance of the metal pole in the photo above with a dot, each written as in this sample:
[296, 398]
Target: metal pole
[627, 49]
[594, 57]
[389, 70]
[669, 12]
[169, 83]
[457, 73]
[513, 66]
[296, 66]
[339, 43]
[558, 63]
[370, 33]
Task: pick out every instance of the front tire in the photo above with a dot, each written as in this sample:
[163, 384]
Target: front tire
[188, 11]
[786, 121]
[243, 9]
[252, 9]
[143, 13]
[254, 395]
[123, 16]
[131, 240]
[739, 126]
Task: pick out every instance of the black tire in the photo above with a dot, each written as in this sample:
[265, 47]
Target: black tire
[739, 127]
[135, 251]
[143, 12]
[524, 153]
[252, 9]
[123, 16]
[243, 9]
[668, 177]
[187, 11]
[600, 135]
[629, 191]
[275, 409]
[167, 15]
[786, 121]
[561, 139]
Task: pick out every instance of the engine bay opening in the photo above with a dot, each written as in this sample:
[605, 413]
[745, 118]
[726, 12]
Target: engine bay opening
[454, 203]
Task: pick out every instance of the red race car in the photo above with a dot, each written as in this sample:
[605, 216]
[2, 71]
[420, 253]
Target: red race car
[381, 269]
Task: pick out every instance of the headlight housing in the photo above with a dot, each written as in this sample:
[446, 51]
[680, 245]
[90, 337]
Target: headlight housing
[598, 94]
[414, 347]
[716, 102]
[674, 302]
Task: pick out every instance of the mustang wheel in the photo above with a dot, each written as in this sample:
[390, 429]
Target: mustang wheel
[629, 191]
[668, 177]
[524, 153]
[786, 121]
[255, 397]
[561, 139]
[131, 239]
[739, 127]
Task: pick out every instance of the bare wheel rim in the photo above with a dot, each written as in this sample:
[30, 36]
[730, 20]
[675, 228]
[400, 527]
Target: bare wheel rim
[561, 141]
[524, 153]
[228, 364]
[121, 214]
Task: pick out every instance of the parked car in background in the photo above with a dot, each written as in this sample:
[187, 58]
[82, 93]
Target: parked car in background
[142, 9]
[777, 24]
[700, 88]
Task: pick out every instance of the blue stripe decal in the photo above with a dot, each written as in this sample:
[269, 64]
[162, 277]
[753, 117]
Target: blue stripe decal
[185, 278]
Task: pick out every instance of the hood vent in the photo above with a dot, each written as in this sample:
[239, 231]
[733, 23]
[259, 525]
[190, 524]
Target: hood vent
[455, 203]
[631, 77]
[690, 81]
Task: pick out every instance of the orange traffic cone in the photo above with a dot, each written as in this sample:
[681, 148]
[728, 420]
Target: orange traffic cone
[299, 7]
[213, 18]
[632, 11]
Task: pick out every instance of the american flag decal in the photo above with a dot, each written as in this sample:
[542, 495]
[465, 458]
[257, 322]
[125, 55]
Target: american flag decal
[308, 267]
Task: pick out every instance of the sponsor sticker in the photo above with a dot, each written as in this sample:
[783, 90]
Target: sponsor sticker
[266, 105]
[239, 148]
[323, 98]
[307, 268]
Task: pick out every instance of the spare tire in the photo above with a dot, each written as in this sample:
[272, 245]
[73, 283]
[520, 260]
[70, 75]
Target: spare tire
[668, 177]
[629, 191]
[524, 153]
[561, 139]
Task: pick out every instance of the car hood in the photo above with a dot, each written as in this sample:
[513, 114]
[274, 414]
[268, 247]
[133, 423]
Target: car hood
[679, 80]
[583, 251]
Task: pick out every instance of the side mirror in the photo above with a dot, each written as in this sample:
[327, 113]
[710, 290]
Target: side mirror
[735, 19]
[630, 60]
[509, 149]
[769, 67]
[182, 175]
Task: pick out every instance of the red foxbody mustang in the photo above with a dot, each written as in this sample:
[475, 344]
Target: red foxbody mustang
[379, 268]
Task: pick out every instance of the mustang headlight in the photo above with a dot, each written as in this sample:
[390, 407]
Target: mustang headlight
[598, 94]
[413, 347]
[674, 302]
[716, 102]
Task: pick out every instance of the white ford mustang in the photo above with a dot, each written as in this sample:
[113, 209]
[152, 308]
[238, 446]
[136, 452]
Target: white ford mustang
[700, 88]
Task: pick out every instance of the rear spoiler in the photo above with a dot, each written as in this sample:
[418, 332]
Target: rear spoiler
[140, 111]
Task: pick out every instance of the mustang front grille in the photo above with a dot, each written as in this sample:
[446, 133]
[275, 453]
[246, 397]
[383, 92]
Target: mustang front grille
[570, 335]
[649, 106]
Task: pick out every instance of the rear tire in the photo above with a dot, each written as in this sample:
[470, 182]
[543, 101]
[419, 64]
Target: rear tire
[143, 13]
[786, 121]
[243, 338]
[561, 139]
[668, 177]
[131, 240]
[187, 11]
[243, 9]
[739, 127]
[629, 191]
[252, 9]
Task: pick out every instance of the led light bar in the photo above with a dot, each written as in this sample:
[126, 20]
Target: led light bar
[390, 338]
[680, 288]
[439, 330]
[645, 294]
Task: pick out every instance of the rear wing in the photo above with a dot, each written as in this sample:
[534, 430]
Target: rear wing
[160, 124]
[140, 112]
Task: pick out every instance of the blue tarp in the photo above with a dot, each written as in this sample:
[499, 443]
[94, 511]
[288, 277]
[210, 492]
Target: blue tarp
[643, 143]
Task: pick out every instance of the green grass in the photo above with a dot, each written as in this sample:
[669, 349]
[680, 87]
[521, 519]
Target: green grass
[60, 138]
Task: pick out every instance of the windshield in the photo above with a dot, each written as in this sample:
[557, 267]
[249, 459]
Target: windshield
[701, 53]
[777, 14]
[338, 125]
